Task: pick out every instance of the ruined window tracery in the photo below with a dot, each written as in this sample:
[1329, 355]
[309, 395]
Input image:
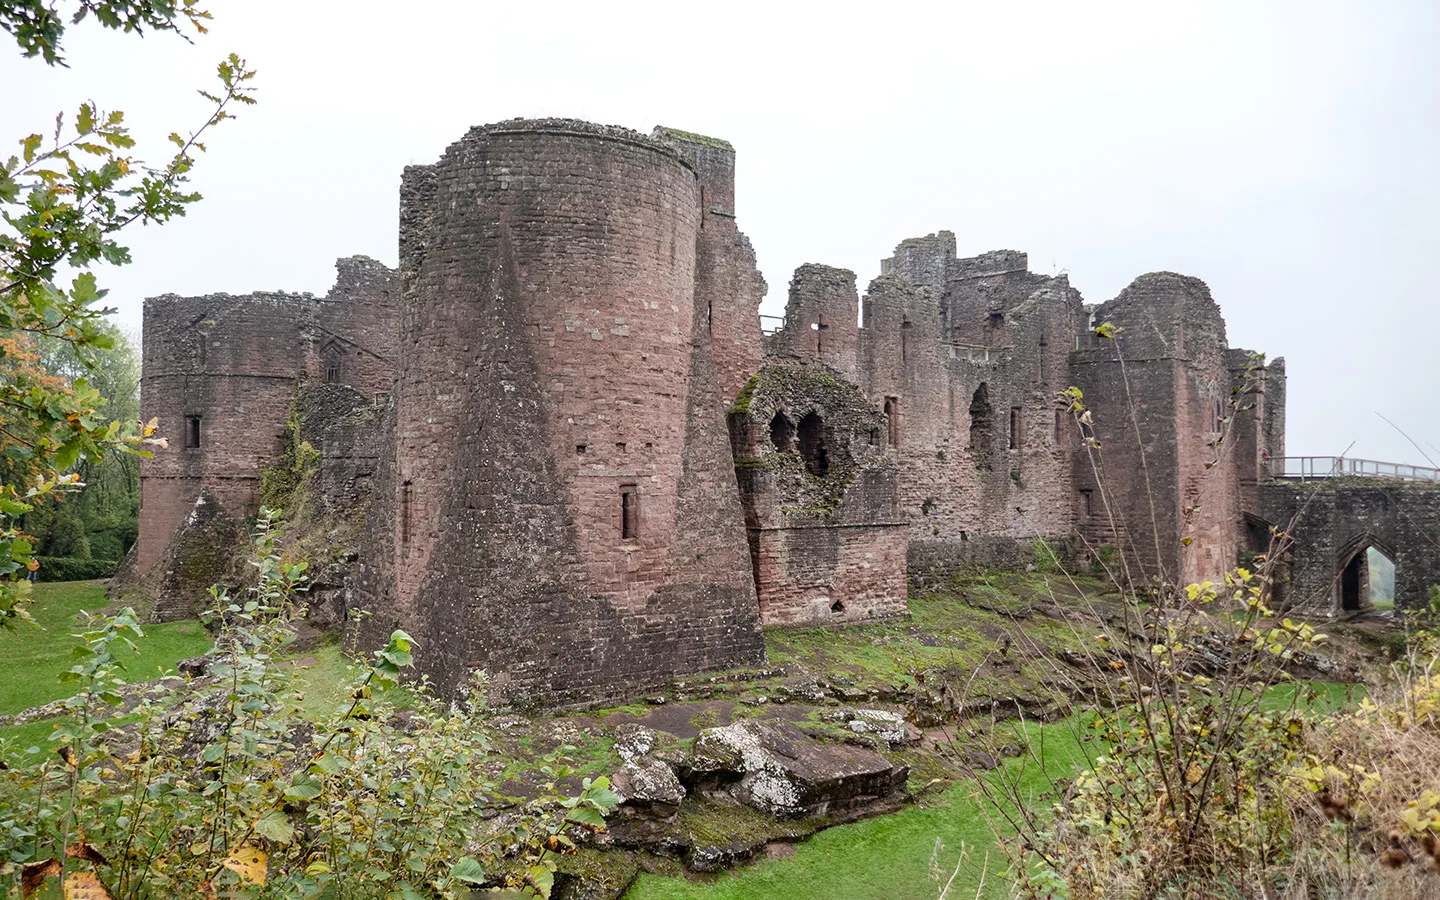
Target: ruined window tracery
[331, 364]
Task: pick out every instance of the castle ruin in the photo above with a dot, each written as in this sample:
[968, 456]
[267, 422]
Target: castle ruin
[584, 466]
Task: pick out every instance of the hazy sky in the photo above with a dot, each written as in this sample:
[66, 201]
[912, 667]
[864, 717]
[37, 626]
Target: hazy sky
[1286, 153]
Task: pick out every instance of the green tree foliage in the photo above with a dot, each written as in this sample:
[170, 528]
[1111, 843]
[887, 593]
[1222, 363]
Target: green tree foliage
[107, 509]
[65, 200]
[39, 25]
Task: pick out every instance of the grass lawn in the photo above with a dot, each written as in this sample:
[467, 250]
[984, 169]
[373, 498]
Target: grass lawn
[35, 657]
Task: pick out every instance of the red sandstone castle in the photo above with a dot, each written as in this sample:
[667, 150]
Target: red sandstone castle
[584, 466]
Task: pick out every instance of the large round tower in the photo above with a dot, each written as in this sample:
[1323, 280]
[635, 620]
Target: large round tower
[560, 509]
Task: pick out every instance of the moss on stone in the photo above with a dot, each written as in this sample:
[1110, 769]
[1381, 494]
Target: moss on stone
[600, 873]
[691, 137]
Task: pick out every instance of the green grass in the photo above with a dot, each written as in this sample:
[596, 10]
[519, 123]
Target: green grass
[35, 657]
[885, 858]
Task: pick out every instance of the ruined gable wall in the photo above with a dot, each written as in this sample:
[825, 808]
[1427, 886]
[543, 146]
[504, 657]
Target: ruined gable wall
[822, 320]
[549, 350]
[968, 494]
[357, 327]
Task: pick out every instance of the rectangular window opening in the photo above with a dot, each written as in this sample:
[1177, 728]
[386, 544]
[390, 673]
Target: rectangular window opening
[1087, 502]
[629, 512]
[1058, 433]
[192, 432]
[1015, 428]
[892, 413]
[405, 490]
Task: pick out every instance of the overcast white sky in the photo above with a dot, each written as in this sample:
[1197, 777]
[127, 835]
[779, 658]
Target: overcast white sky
[1285, 152]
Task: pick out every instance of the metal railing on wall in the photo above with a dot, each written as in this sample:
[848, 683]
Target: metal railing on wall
[771, 324]
[1314, 468]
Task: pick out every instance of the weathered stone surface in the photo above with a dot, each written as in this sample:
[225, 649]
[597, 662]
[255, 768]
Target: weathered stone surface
[647, 780]
[633, 740]
[559, 372]
[774, 768]
[887, 726]
[200, 553]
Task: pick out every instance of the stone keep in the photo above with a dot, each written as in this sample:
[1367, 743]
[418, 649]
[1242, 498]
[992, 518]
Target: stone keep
[560, 509]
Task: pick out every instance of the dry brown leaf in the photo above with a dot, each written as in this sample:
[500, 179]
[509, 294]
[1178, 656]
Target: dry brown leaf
[85, 886]
[34, 874]
[86, 851]
[248, 863]
[207, 889]
[69, 756]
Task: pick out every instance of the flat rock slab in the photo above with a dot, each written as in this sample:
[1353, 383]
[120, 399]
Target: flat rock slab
[774, 767]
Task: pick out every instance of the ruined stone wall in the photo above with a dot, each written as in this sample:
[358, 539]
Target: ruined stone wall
[728, 286]
[1273, 422]
[231, 363]
[551, 369]
[818, 485]
[1335, 520]
[356, 328]
[973, 373]
[1173, 493]
[220, 373]
[822, 320]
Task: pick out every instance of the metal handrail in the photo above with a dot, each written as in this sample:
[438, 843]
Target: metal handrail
[771, 324]
[1313, 468]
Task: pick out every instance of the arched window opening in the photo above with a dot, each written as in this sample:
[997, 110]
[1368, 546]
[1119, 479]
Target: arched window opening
[782, 433]
[812, 445]
[892, 416]
[837, 607]
[982, 424]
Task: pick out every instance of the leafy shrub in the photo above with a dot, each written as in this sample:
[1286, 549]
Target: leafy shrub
[226, 790]
[63, 568]
[1199, 784]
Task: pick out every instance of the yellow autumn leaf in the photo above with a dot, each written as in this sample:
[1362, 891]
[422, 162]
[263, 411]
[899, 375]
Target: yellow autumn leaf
[248, 863]
[85, 886]
[1194, 773]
